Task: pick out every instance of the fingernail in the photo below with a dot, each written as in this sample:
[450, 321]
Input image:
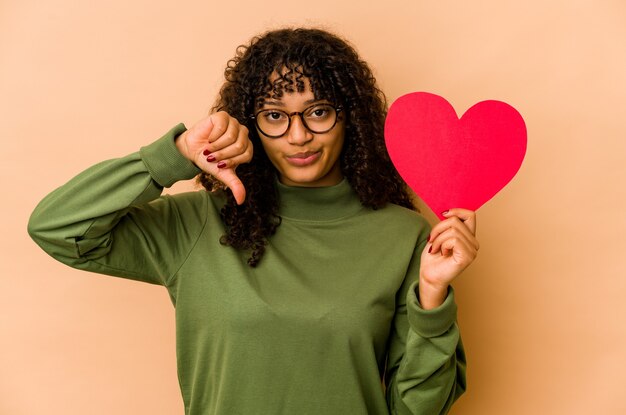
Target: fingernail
[221, 164]
[444, 213]
[428, 239]
[430, 249]
[210, 158]
[206, 152]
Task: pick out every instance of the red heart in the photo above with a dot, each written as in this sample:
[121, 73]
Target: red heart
[451, 162]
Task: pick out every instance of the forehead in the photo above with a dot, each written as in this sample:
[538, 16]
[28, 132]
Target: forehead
[287, 86]
[289, 72]
[288, 80]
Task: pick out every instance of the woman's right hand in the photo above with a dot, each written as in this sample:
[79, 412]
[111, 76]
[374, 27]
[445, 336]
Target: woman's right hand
[217, 144]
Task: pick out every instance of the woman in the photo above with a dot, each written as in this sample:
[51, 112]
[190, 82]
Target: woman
[302, 279]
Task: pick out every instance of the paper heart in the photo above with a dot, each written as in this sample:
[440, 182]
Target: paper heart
[451, 162]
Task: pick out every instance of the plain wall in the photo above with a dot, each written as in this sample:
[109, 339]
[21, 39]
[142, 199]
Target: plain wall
[541, 309]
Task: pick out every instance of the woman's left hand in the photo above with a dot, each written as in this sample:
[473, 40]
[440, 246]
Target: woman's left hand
[451, 248]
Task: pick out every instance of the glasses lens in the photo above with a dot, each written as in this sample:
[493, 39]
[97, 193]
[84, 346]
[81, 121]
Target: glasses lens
[320, 118]
[272, 123]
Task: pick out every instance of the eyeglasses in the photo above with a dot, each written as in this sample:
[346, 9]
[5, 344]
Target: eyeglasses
[318, 119]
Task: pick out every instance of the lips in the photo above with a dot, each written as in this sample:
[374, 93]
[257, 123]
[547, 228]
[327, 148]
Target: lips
[302, 155]
[303, 158]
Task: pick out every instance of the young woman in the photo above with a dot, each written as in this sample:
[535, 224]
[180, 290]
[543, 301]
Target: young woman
[303, 281]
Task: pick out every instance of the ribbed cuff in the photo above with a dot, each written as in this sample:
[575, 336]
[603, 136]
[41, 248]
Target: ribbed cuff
[434, 322]
[164, 162]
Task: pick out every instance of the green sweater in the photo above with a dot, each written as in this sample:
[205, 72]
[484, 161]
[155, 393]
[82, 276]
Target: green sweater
[330, 311]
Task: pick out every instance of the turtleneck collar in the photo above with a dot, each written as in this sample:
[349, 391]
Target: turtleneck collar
[318, 203]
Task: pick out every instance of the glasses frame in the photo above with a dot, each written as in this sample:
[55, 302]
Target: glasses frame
[337, 109]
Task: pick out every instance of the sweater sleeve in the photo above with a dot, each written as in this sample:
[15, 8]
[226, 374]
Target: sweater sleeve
[111, 219]
[426, 362]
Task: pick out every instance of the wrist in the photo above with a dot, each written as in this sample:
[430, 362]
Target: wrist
[181, 144]
[431, 295]
[164, 161]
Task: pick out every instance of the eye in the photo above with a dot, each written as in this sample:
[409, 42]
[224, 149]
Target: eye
[321, 111]
[274, 115]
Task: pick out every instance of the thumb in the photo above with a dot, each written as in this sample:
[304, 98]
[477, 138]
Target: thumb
[230, 179]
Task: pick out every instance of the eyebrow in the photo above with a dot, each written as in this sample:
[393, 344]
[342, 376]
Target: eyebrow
[281, 104]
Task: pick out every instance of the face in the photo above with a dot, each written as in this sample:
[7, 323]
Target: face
[301, 157]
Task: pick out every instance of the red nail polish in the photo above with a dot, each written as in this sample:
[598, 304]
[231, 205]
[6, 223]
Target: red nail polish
[428, 239]
[430, 249]
[206, 152]
[221, 165]
[210, 158]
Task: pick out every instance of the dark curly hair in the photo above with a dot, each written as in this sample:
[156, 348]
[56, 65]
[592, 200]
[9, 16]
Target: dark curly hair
[335, 73]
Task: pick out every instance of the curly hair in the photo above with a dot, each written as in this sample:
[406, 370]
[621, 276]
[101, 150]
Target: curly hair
[335, 73]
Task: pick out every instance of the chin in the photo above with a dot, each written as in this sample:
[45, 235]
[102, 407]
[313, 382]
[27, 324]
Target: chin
[300, 180]
[303, 178]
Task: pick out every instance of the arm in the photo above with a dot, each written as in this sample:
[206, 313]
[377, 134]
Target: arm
[109, 219]
[426, 363]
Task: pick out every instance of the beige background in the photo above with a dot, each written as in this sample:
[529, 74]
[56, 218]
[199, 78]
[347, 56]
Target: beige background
[542, 309]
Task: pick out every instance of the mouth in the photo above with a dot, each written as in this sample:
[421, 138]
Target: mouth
[304, 158]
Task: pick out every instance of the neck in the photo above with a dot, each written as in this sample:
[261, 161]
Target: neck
[318, 203]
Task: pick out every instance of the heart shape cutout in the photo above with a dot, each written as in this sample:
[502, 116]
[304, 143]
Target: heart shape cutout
[451, 162]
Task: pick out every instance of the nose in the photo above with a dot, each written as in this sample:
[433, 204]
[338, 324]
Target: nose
[298, 134]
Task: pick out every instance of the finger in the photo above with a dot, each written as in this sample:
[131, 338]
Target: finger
[221, 121]
[457, 225]
[462, 227]
[228, 137]
[454, 232]
[468, 217]
[230, 179]
[203, 128]
[198, 133]
[231, 163]
[462, 253]
[240, 146]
